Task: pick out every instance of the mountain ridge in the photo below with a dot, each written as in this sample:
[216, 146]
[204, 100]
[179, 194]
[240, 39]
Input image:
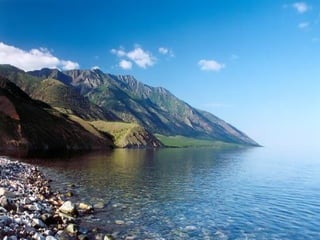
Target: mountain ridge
[155, 108]
[31, 127]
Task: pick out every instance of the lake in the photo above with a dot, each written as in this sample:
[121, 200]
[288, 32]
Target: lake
[198, 193]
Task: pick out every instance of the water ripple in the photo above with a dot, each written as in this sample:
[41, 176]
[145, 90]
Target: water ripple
[198, 193]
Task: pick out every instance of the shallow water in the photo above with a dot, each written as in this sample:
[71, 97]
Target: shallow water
[196, 193]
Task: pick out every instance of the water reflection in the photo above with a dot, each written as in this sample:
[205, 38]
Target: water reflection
[196, 193]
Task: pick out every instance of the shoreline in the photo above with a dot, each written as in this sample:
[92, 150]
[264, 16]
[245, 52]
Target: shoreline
[29, 209]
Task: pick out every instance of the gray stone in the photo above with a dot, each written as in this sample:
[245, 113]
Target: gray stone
[50, 238]
[190, 228]
[61, 235]
[37, 223]
[68, 208]
[3, 210]
[38, 236]
[99, 205]
[83, 237]
[5, 220]
[7, 203]
[119, 222]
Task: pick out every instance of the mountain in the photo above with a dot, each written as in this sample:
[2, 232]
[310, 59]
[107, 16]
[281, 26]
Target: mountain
[56, 93]
[31, 127]
[155, 108]
[77, 108]
[86, 93]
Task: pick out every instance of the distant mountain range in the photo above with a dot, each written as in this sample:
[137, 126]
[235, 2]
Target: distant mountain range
[91, 95]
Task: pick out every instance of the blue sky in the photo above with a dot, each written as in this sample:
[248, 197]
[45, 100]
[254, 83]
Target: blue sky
[253, 63]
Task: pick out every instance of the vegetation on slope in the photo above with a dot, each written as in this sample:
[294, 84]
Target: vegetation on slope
[29, 127]
[182, 142]
[127, 135]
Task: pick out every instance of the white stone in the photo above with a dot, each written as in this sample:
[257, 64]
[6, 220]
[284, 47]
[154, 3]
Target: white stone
[68, 208]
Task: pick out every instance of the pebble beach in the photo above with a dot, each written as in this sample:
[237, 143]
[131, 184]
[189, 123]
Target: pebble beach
[29, 209]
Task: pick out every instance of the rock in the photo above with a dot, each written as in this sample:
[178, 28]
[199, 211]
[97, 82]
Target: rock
[38, 236]
[65, 217]
[2, 191]
[84, 206]
[7, 203]
[48, 219]
[30, 210]
[71, 228]
[99, 205]
[69, 194]
[130, 238]
[50, 238]
[61, 235]
[108, 237]
[10, 238]
[83, 237]
[99, 236]
[4, 220]
[37, 223]
[3, 210]
[48, 232]
[119, 222]
[190, 228]
[68, 208]
[83, 230]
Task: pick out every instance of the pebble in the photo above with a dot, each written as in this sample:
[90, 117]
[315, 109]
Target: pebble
[30, 210]
[119, 222]
[190, 228]
[99, 205]
[68, 208]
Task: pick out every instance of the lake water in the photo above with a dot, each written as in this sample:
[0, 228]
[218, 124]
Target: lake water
[197, 193]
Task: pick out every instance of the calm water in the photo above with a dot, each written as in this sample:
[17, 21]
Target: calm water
[197, 193]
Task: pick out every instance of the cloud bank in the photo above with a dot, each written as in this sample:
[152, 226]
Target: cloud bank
[34, 59]
[210, 65]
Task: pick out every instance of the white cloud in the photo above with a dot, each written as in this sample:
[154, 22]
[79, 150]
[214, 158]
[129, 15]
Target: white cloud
[165, 51]
[301, 7]
[303, 25]
[124, 64]
[119, 52]
[95, 68]
[69, 65]
[139, 56]
[210, 65]
[33, 59]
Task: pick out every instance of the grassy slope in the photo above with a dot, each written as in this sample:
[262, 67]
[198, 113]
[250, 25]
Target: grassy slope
[181, 141]
[119, 130]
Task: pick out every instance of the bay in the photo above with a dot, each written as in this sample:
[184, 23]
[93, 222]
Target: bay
[195, 193]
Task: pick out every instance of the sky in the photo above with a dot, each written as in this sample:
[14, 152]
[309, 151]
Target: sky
[255, 64]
